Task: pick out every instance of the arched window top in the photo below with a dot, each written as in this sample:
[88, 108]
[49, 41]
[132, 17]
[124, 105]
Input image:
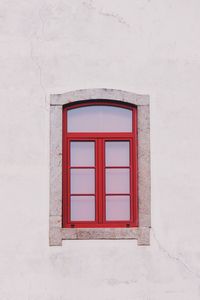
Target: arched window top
[99, 116]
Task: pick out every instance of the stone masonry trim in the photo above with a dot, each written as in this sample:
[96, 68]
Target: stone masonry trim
[56, 232]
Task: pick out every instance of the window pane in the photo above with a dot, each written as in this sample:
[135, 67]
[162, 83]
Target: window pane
[99, 118]
[117, 153]
[82, 153]
[117, 208]
[82, 181]
[117, 181]
[82, 208]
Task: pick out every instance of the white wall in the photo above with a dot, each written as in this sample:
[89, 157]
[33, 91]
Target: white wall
[144, 46]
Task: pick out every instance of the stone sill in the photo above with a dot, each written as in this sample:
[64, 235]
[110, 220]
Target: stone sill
[141, 234]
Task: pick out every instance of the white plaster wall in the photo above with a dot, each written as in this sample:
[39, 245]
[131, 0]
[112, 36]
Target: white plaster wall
[143, 46]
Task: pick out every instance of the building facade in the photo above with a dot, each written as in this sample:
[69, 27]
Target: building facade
[140, 47]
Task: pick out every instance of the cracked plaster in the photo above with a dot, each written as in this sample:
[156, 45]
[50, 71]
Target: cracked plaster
[175, 258]
[116, 17]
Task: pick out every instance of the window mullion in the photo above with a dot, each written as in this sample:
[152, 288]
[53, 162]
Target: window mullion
[100, 180]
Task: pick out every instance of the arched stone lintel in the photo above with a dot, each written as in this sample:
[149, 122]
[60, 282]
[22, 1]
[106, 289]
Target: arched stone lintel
[101, 94]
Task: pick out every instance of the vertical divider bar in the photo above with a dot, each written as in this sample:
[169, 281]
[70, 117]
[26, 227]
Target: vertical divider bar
[103, 170]
[68, 183]
[96, 150]
[64, 169]
[64, 121]
[135, 169]
[100, 180]
[131, 180]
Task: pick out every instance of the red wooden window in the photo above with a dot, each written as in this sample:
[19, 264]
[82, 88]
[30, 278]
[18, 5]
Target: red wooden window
[100, 165]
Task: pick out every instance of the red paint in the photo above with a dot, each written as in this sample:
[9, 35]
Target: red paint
[99, 139]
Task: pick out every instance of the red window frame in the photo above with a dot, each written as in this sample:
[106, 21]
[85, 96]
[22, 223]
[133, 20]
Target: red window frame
[100, 195]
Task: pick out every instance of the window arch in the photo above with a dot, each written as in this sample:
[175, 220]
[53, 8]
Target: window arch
[105, 193]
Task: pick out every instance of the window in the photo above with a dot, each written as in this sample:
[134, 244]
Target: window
[99, 166]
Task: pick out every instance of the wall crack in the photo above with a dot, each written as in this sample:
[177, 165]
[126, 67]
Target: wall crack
[116, 17]
[35, 61]
[173, 257]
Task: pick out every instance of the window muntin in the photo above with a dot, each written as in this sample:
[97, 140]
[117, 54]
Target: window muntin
[111, 158]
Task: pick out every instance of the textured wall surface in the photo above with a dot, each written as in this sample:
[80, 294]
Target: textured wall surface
[148, 47]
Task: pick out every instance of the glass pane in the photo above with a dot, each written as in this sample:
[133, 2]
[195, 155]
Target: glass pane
[82, 181]
[82, 208]
[82, 153]
[99, 118]
[117, 181]
[117, 208]
[117, 153]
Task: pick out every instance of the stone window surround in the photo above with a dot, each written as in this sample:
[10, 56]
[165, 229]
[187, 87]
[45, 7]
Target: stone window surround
[56, 232]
